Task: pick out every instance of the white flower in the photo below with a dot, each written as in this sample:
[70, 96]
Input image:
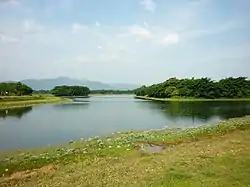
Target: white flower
[6, 169]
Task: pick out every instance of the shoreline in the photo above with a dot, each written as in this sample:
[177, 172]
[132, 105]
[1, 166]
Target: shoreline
[99, 94]
[27, 101]
[117, 144]
[190, 99]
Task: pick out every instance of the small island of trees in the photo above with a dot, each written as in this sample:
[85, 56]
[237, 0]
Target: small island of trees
[70, 91]
[112, 92]
[198, 88]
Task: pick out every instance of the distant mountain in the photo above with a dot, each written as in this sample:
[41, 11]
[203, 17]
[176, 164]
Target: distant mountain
[124, 86]
[50, 83]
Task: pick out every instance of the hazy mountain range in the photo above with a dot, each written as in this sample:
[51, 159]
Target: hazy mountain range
[48, 84]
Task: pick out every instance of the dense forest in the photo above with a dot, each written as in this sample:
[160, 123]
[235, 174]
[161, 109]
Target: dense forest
[14, 89]
[70, 91]
[198, 88]
[111, 91]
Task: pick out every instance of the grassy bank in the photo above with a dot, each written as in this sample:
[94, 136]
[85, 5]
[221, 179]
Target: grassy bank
[9, 102]
[218, 154]
[190, 99]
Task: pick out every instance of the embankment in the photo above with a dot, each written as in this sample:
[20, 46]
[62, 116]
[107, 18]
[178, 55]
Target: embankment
[9, 102]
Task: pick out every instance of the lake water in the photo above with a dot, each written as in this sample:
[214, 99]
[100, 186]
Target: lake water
[97, 116]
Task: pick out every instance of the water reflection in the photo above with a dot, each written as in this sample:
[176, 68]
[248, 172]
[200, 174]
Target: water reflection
[16, 112]
[72, 105]
[202, 110]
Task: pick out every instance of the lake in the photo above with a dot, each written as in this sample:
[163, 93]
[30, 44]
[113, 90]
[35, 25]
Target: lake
[101, 115]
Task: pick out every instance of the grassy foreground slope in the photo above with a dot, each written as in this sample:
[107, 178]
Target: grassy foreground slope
[218, 155]
[8, 102]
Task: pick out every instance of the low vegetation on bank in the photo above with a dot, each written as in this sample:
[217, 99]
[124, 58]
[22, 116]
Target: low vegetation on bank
[203, 88]
[9, 102]
[217, 154]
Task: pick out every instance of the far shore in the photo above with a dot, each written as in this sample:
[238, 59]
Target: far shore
[190, 99]
[99, 94]
[10, 102]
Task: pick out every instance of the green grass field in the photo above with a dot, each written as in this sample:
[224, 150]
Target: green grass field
[190, 99]
[216, 155]
[8, 102]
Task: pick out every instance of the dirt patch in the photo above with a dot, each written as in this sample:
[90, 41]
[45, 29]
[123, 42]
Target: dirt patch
[30, 173]
[149, 148]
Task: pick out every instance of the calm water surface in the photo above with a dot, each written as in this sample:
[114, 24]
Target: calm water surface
[97, 116]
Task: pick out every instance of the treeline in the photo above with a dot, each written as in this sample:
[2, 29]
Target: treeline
[198, 88]
[112, 91]
[91, 92]
[14, 89]
[41, 91]
[70, 91]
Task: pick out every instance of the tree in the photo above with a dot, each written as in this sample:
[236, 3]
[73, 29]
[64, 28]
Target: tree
[198, 88]
[70, 91]
[112, 91]
[14, 88]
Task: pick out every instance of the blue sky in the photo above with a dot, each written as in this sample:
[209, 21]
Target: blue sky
[132, 41]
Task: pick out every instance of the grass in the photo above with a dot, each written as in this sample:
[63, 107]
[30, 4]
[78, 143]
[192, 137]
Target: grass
[8, 102]
[216, 155]
[190, 99]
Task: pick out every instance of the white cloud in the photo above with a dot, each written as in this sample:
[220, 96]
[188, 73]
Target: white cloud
[8, 39]
[197, 33]
[140, 32]
[149, 5]
[76, 28]
[107, 57]
[106, 48]
[30, 26]
[172, 38]
[97, 24]
[103, 57]
[81, 58]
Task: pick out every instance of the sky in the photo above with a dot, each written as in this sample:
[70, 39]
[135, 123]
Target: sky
[132, 41]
